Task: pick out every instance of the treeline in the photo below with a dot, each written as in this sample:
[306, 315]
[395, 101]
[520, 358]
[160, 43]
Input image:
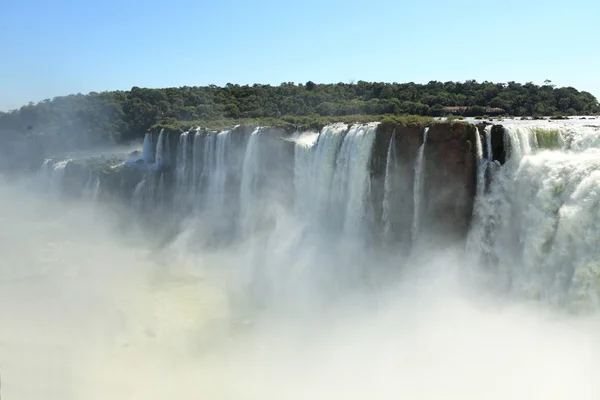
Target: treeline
[123, 115]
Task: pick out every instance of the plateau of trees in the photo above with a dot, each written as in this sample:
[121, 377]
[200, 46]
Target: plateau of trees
[124, 115]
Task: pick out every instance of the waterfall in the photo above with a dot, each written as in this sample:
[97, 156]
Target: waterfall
[535, 221]
[162, 150]
[91, 190]
[197, 164]
[389, 186]
[332, 178]
[481, 162]
[218, 174]
[96, 190]
[137, 199]
[251, 170]
[542, 219]
[182, 161]
[51, 174]
[351, 180]
[488, 143]
[418, 186]
[314, 168]
[148, 149]
[304, 166]
[182, 171]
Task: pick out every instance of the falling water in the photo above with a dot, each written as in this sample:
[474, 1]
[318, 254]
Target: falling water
[314, 168]
[148, 149]
[251, 170]
[480, 166]
[197, 164]
[418, 186]
[488, 143]
[217, 176]
[137, 199]
[542, 217]
[351, 184]
[388, 186]
[162, 149]
[96, 190]
[304, 168]
[51, 175]
[182, 162]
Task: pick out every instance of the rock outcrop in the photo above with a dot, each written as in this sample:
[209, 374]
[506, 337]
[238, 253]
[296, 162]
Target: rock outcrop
[448, 177]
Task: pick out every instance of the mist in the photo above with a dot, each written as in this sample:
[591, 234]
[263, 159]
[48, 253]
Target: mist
[89, 311]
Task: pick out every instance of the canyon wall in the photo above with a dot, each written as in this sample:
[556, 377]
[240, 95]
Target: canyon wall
[420, 180]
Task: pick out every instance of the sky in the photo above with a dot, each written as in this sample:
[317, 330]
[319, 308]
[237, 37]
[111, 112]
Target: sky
[54, 48]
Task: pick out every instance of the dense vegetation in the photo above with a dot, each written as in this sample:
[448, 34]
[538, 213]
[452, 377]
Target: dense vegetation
[124, 115]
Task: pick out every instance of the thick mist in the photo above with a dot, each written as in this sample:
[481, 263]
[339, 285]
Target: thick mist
[89, 311]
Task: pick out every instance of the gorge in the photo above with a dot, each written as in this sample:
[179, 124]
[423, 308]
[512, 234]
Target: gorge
[353, 260]
[514, 190]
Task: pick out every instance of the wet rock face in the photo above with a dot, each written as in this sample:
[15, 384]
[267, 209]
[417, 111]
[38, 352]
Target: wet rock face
[450, 180]
[448, 175]
[407, 142]
[498, 145]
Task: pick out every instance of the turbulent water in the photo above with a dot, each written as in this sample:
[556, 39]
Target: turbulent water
[540, 221]
[265, 281]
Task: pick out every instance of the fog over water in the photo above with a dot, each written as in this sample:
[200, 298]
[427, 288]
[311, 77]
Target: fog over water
[94, 304]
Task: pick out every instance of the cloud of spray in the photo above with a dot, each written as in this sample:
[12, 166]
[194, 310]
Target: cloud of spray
[87, 313]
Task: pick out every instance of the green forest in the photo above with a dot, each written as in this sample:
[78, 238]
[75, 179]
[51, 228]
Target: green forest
[119, 116]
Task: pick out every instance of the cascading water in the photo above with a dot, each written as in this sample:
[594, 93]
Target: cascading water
[304, 167]
[480, 166]
[418, 186]
[197, 164]
[539, 223]
[536, 223]
[182, 169]
[51, 175]
[251, 171]
[351, 180]
[389, 187]
[217, 179]
[314, 169]
[488, 143]
[148, 150]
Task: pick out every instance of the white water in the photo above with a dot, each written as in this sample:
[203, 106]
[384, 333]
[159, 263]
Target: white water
[542, 217]
[148, 150]
[183, 165]
[86, 313]
[217, 178]
[488, 143]
[251, 173]
[418, 187]
[197, 164]
[351, 179]
[481, 166]
[319, 174]
[331, 177]
[51, 175]
[389, 187]
[163, 157]
[305, 203]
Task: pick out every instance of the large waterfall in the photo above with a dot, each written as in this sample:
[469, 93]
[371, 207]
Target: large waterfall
[535, 218]
[418, 187]
[350, 261]
[539, 225]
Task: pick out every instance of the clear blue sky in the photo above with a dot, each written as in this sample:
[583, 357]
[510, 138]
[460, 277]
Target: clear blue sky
[51, 48]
